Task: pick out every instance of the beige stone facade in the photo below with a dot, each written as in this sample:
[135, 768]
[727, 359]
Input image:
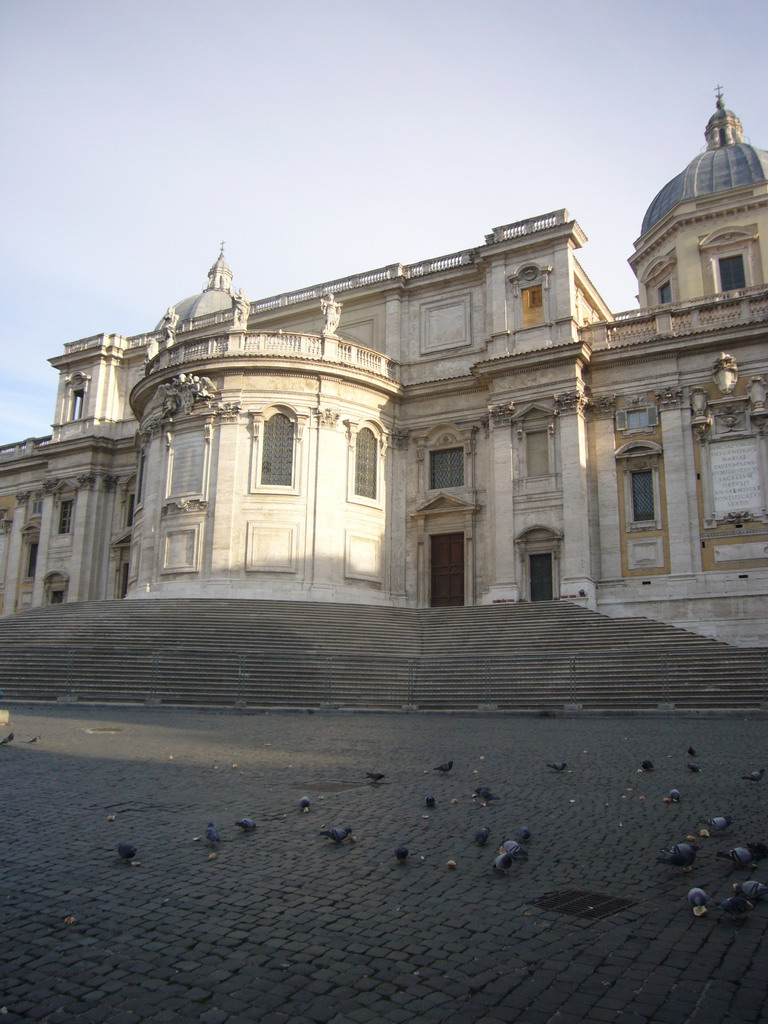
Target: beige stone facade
[474, 428]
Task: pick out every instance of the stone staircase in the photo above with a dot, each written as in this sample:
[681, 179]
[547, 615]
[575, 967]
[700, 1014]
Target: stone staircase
[537, 658]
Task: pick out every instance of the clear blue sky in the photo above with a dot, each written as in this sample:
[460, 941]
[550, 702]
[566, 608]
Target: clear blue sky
[321, 139]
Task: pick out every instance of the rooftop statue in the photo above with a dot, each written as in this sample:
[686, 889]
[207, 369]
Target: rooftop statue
[332, 313]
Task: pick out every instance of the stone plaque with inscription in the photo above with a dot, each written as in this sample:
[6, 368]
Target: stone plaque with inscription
[735, 476]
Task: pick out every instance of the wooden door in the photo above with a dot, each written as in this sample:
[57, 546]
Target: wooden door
[447, 569]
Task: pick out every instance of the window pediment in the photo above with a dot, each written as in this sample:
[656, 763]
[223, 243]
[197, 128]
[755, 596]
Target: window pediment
[443, 502]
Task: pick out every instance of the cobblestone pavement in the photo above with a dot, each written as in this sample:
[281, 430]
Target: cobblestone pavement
[284, 926]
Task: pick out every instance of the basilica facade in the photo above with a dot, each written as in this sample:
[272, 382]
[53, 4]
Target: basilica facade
[475, 428]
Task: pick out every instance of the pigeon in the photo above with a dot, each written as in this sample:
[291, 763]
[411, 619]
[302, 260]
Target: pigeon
[212, 833]
[502, 863]
[698, 900]
[443, 768]
[751, 889]
[681, 855]
[514, 849]
[33, 740]
[338, 835]
[524, 834]
[646, 766]
[8, 739]
[759, 850]
[559, 766]
[402, 854]
[752, 777]
[740, 855]
[718, 824]
[246, 824]
[305, 803]
[691, 752]
[736, 906]
[481, 836]
[430, 801]
[375, 777]
[126, 851]
[693, 767]
[673, 797]
[484, 793]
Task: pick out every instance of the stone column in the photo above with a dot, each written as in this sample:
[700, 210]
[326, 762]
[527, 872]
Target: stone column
[14, 554]
[681, 514]
[503, 584]
[48, 527]
[329, 491]
[576, 564]
[602, 414]
[223, 553]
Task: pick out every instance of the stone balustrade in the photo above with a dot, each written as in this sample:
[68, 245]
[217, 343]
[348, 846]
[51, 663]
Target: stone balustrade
[281, 343]
[23, 449]
[746, 306]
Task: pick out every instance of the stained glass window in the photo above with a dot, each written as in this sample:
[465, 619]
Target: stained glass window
[365, 464]
[447, 468]
[277, 453]
[642, 497]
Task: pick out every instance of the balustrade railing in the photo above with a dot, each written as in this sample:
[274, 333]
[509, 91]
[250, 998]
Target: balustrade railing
[310, 346]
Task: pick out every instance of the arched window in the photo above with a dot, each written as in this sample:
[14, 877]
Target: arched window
[277, 452]
[365, 464]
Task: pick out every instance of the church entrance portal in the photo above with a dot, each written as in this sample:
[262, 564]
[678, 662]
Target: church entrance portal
[447, 552]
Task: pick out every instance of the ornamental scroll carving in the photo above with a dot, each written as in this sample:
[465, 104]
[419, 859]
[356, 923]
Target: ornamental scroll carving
[86, 481]
[185, 505]
[668, 398]
[501, 413]
[327, 417]
[399, 439]
[570, 401]
[181, 393]
[602, 406]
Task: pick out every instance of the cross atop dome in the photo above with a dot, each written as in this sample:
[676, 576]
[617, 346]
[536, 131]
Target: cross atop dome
[220, 276]
[723, 128]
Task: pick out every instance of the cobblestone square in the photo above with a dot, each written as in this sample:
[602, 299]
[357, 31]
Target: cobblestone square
[282, 924]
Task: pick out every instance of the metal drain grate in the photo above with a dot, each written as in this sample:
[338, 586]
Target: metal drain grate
[579, 903]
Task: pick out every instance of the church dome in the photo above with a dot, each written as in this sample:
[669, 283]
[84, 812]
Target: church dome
[728, 162]
[216, 297]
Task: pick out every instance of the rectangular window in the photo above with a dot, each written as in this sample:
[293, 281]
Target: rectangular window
[31, 560]
[665, 292]
[643, 510]
[37, 507]
[130, 504]
[537, 453]
[65, 516]
[533, 306]
[446, 468]
[732, 273]
[77, 404]
[634, 419]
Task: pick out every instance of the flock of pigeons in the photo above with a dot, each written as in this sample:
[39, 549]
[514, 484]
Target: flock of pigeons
[681, 855]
